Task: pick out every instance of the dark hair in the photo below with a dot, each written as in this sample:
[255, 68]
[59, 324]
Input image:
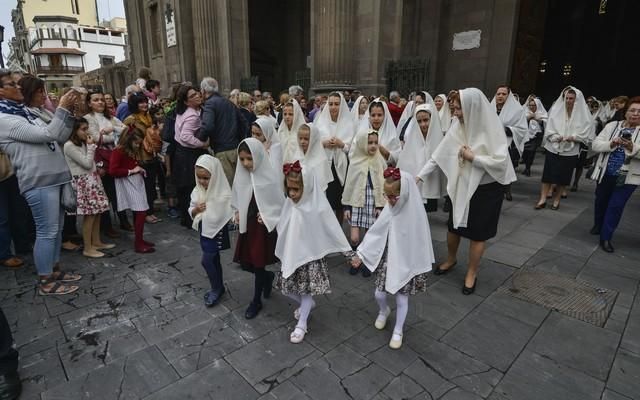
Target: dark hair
[151, 83]
[74, 133]
[127, 138]
[504, 86]
[294, 176]
[244, 147]
[30, 85]
[153, 111]
[455, 96]
[334, 94]
[377, 104]
[144, 73]
[182, 96]
[106, 112]
[5, 72]
[134, 101]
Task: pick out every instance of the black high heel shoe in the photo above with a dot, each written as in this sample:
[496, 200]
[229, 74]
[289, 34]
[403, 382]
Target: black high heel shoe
[438, 271]
[469, 290]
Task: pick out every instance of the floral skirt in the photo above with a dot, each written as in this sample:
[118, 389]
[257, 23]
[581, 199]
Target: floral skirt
[92, 199]
[416, 285]
[311, 278]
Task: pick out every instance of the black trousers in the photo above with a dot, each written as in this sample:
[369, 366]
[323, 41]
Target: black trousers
[151, 168]
[8, 355]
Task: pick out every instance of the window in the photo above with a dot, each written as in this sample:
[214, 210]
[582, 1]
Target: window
[55, 60]
[154, 17]
[55, 32]
[75, 8]
[107, 60]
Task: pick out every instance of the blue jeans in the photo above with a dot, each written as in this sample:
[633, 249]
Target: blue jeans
[49, 218]
[609, 205]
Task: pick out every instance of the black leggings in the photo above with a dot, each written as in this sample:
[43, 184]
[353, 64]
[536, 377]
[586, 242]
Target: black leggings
[151, 168]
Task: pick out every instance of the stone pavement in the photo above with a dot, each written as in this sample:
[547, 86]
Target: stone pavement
[138, 328]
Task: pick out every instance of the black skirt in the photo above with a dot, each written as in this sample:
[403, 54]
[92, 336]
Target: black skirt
[484, 213]
[558, 170]
[183, 165]
[334, 190]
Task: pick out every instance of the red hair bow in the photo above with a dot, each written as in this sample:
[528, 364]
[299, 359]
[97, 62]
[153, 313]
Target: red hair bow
[393, 173]
[292, 167]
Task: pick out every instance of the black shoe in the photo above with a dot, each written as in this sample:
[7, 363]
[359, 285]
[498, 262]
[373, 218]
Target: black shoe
[10, 386]
[469, 290]
[606, 246]
[365, 272]
[438, 271]
[574, 188]
[526, 172]
[252, 310]
[266, 291]
[595, 230]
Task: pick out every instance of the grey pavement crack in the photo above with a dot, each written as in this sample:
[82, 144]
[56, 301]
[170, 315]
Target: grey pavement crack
[124, 375]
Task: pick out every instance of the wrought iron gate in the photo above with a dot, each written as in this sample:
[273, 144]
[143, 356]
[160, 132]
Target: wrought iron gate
[407, 76]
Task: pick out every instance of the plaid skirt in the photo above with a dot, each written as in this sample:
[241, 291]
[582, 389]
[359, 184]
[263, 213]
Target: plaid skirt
[92, 199]
[364, 217]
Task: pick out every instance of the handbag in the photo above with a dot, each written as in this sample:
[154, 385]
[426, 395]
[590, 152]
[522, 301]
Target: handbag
[69, 198]
[102, 156]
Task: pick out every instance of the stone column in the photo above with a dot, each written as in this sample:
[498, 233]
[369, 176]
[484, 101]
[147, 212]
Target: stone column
[221, 38]
[332, 40]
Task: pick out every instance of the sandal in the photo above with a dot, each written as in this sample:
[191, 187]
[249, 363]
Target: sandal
[56, 289]
[62, 276]
[297, 336]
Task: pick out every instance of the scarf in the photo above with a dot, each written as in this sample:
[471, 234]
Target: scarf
[217, 197]
[315, 160]
[13, 108]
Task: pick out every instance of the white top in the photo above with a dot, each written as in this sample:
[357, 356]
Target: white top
[308, 230]
[263, 182]
[404, 230]
[445, 114]
[513, 117]
[362, 164]
[561, 125]
[315, 160]
[80, 159]
[289, 137]
[217, 198]
[387, 135]
[483, 132]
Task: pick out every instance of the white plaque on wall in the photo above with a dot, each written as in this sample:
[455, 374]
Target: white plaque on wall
[467, 40]
[170, 26]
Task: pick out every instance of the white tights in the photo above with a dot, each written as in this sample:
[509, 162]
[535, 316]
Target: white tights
[306, 304]
[402, 308]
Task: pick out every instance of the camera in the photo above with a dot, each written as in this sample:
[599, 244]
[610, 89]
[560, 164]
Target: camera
[626, 135]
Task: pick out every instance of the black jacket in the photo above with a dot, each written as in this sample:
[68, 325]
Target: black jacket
[220, 124]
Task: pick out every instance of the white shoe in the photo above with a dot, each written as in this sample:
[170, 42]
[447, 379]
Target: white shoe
[381, 320]
[297, 336]
[396, 341]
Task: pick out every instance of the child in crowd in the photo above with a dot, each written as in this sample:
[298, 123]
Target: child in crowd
[92, 201]
[312, 155]
[362, 195]
[257, 198]
[129, 180]
[211, 210]
[398, 247]
[307, 232]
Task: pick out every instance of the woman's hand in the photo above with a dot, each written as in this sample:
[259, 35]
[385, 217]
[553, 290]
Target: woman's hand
[627, 144]
[418, 180]
[356, 262]
[347, 215]
[89, 140]
[106, 131]
[337, 143]
[466, 153]
[260, 221]
[138, 170]
[70, 100]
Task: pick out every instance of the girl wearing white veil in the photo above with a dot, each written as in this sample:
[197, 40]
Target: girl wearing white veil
[443, 111]
[311, 154]
[264, 130]
[421, 140]
[292, 118]
[409, 112]
[257, 198]
[379, 119]
[474, 157]
[537, 118]
[398, 247]
[337, 128]
[307, 233]
[570, 124]
[359, 109]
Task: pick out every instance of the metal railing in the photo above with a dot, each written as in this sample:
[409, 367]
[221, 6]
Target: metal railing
[59, 69]
[407, 76]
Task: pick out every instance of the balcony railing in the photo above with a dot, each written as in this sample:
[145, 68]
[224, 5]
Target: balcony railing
[61, 69]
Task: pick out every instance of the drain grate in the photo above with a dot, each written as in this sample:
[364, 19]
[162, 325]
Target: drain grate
[563, 294]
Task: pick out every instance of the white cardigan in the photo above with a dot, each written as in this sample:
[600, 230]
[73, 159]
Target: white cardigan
[602, 146]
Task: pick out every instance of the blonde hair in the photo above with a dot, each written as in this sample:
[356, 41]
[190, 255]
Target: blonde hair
[244, 99]
[262, 107]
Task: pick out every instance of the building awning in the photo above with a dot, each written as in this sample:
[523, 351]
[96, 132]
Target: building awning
[58, 50]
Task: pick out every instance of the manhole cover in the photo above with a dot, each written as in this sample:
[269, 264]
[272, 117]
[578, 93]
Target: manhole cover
[563, 294]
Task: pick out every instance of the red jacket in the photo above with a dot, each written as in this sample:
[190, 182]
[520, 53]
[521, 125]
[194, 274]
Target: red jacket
[396, 112]
[120, 163]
